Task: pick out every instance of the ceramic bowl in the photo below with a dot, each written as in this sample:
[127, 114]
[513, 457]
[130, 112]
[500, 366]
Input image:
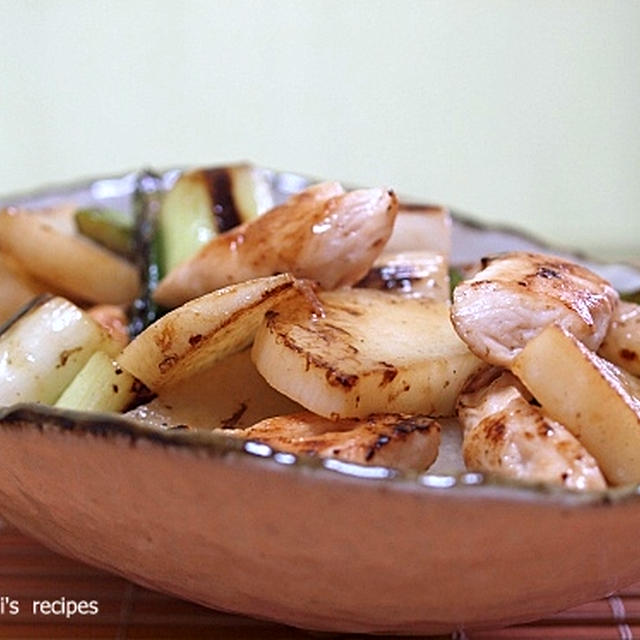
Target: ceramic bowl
[321, 545]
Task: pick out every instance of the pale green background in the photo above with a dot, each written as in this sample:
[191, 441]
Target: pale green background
[521, 112]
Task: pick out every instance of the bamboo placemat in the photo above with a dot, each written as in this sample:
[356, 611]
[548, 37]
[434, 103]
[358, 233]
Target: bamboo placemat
[30, 573]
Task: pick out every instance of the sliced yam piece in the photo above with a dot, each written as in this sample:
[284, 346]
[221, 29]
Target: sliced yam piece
[44, 348]
[69, 263]
[322, 234]
[205, 330]
[415, 274]
[621, 344]
[597, 401]
[518, 294]
[507, 435]
[407, 442]
[364, 352]
[421, 228]
[228, 394]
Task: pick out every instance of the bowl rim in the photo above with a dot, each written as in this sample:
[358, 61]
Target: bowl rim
[111, 428]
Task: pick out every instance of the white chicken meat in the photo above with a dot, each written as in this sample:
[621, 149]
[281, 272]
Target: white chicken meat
[516, 295]
[621, 344]
[401, 441]
[322, 234]
[506, 434]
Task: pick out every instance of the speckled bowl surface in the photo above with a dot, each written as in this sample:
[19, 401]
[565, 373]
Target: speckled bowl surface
[322, 545]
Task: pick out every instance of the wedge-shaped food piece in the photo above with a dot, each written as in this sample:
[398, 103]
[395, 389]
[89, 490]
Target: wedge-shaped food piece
[71, 264]
[598, 402]
[621, 344]
[228, 394]
[402, 441]
[415, 274]
[421, 227]
[43, 349]
[364, 352]
[322, 234]
[505, 434]
[516, 295]
[205, 330]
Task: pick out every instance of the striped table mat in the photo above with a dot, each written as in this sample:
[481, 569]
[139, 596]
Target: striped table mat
[32, 576]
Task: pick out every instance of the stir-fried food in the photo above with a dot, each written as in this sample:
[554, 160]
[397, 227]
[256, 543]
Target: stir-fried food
[322, 234]
[360, 352]
[508, 434]
[516, 295]
[391, 440]
[65, 262]
[324, 327]
[597, 401]
[203, 330]
[621, 343]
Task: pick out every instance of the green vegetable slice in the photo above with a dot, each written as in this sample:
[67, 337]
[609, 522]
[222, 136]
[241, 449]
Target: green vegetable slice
[108, 227]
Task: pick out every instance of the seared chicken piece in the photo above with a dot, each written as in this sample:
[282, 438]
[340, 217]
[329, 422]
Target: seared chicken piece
[516, 295]
[114, 319]
[505, 434]
[402, 441]
[42, 244]
[621, 345]
[322, 234]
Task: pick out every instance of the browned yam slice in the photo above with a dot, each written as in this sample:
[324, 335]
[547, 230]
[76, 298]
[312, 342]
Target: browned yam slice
[598, 402]
[197, 334]
[365, 352]
[230, 394]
